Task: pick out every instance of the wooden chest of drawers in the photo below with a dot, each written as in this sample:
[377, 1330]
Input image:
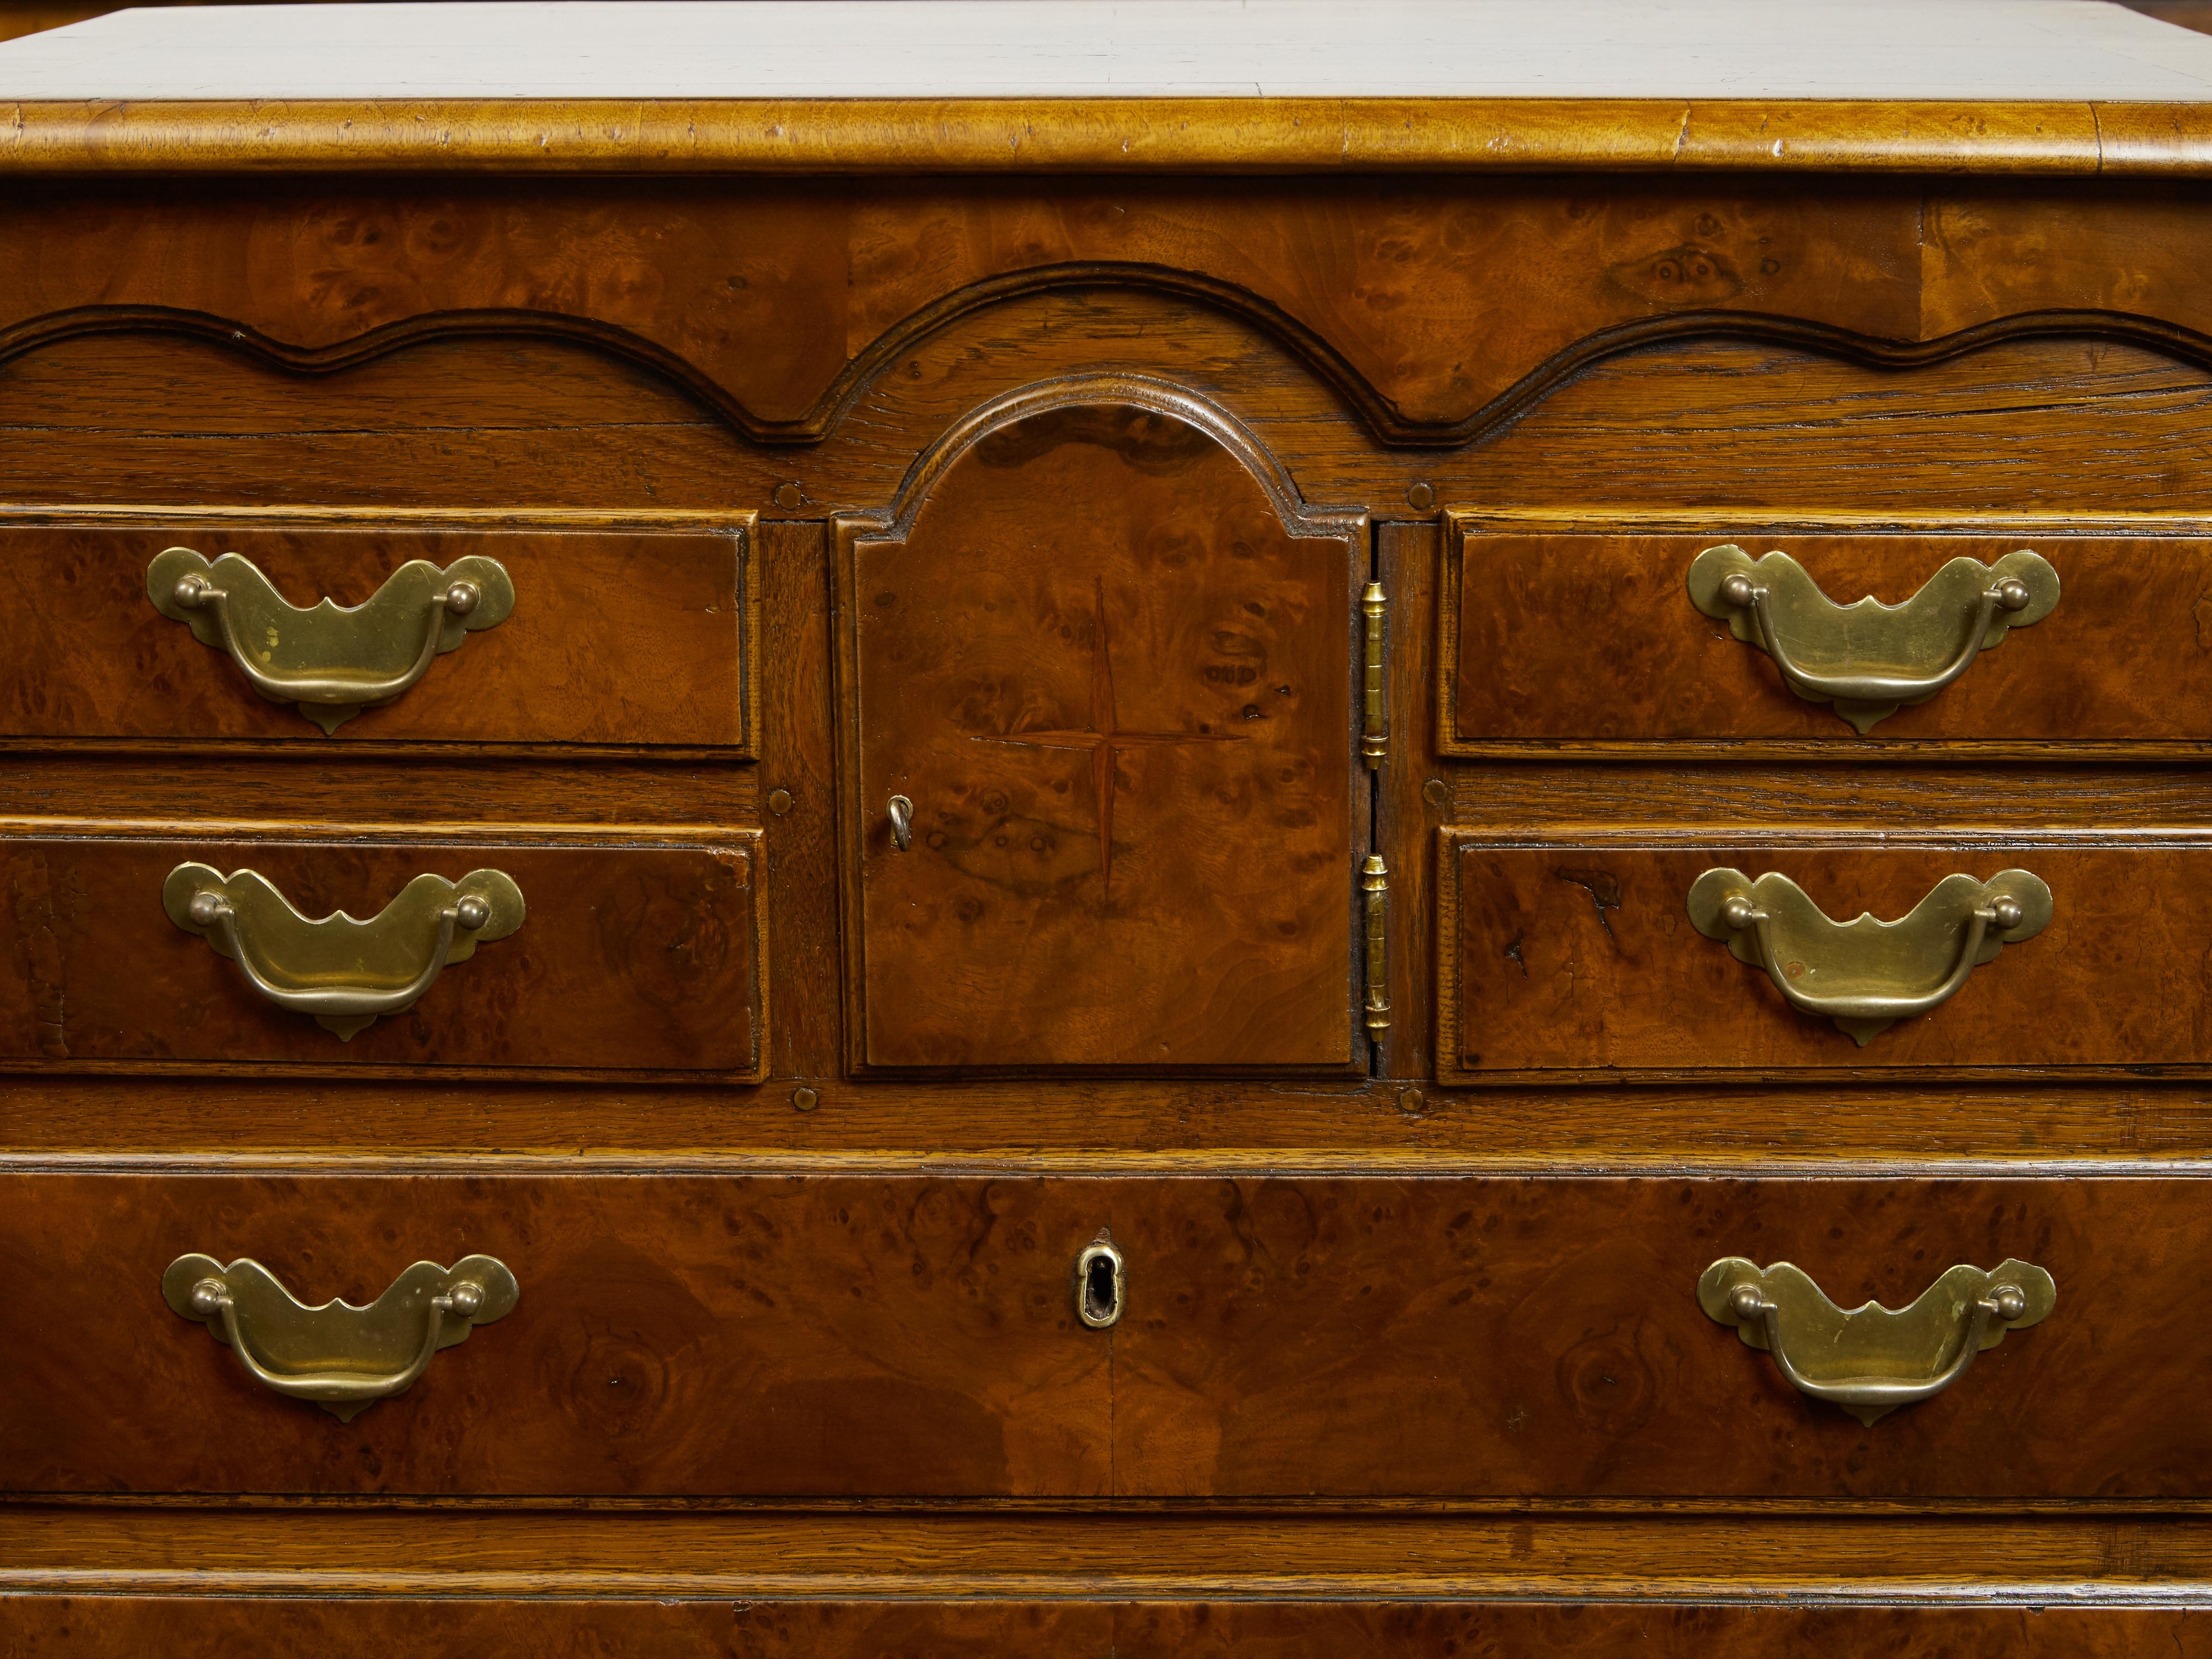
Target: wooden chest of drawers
[861, 829]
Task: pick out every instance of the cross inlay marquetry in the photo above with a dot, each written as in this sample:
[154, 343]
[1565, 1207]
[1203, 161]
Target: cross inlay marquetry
[1104, 737]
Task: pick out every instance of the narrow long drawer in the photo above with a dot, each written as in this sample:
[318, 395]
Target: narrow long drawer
[170, 626]
[1284, 1335]
[1616, 633]
[627, 954]
[1610, 958]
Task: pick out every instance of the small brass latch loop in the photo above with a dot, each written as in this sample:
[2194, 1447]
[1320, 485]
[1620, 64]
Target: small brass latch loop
[901, 811]
[1101, 1284]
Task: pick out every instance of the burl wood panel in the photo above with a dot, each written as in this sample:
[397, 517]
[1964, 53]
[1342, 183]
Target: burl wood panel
[768, 1335]
[638, 955]
[619, 637]
[1115, 685]
[1577, 957]
[37, 1627]
[1587, 636]
[1531, 1337]
[1432, 303]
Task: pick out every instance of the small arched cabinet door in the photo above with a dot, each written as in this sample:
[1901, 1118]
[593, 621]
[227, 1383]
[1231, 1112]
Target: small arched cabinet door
[1098, 677]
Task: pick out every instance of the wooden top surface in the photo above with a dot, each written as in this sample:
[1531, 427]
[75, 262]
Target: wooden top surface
[673, 85]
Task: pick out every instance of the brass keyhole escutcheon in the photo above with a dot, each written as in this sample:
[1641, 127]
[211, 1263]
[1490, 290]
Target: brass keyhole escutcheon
[1101, 1284]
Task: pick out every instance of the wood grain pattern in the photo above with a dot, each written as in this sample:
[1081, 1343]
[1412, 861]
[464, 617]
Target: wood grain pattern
[1582, 637]
[620, 638]
[1115, 685]
[1576, 956]
[639, 954]
[766, 1335]
[1079, 1630]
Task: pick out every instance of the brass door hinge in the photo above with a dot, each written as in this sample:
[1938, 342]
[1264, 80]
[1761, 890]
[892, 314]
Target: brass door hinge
[1375, 731]
[1374, 880]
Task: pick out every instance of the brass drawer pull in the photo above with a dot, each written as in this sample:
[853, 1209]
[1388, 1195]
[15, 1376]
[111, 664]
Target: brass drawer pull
[1866, 974]
[344, 1358]
[332, 661]
[1101, 1284]
[346, 973]
[1867, 648]
[1872, 1358]
[900, 812]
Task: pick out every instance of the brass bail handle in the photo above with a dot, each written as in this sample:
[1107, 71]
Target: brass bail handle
[329, 1354]
[1866, 974]
[1868, 658]
[2004, 1303]
[330, 660]
[209, 909]
[2003, 912]
[327, 968]
[900, 809]
[459, 599]
[1872, 1359]
[1870, 684]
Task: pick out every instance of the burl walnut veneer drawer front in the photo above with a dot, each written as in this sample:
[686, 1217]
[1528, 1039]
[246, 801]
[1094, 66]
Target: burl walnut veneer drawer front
[918, 1334]
[1680, 953]
[179, 627]
[1559, 634]
[539, 952]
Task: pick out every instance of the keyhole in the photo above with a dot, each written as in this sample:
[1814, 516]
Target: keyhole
[1099, 1284]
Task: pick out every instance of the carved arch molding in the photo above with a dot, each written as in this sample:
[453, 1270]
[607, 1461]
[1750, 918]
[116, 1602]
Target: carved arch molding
[1381, 416]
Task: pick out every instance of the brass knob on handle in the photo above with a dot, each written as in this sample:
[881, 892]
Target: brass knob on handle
[902, 816]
